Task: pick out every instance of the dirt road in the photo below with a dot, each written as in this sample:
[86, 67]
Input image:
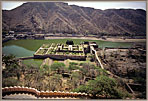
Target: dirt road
[107, 39]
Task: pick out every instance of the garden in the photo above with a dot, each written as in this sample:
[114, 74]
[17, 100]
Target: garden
[54, 49]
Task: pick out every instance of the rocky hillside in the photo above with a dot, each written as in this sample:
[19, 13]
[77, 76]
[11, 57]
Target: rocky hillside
[46, 17]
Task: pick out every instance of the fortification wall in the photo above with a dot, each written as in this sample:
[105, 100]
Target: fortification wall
[38, 94]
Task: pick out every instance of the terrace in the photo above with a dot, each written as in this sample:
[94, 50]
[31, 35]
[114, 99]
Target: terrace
[61, 51]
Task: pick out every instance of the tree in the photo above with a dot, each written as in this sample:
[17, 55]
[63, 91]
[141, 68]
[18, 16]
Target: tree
[73, 66]
[69, 42]
[102, 86]
[46, 69]
[90, 70]
[55, 82]
[12, 67]
[59, 67]
[4, 32]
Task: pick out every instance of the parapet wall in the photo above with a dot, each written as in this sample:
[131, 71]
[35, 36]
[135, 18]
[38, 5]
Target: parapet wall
[33, 91]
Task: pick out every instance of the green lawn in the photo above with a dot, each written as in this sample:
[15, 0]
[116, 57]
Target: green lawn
[33, 62]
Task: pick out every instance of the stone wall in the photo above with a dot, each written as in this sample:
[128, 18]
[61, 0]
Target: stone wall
[60, 57]
[41, 94]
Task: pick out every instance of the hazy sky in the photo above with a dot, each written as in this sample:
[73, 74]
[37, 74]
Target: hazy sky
[8, 5]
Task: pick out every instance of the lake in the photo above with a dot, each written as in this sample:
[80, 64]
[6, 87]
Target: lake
[24, 48]
[17, 51]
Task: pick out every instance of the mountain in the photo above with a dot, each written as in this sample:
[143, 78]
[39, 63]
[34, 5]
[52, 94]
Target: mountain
[46, 17]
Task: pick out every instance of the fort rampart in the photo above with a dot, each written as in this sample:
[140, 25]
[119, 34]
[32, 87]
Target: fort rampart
[33, 91]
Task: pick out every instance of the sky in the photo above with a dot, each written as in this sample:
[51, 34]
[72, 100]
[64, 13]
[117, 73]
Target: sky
[8, 5]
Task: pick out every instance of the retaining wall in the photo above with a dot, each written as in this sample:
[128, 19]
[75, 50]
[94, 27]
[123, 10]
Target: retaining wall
[60, 57]
[24, 58]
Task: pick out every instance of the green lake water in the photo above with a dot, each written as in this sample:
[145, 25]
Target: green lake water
[17, 51]
[33, 45]
[24, 48]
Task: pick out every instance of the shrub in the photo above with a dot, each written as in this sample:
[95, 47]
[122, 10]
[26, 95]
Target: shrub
[73, 63]
[81, 64]
[73, 67]
[46, 67]
[7, 82]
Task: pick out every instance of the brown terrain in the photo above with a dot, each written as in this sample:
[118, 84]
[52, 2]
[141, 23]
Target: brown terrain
[51, 17]
[129, 64]
[123, 61]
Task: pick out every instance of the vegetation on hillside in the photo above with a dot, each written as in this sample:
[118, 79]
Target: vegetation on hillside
[103, 87]
[74, 20]
[79, 77]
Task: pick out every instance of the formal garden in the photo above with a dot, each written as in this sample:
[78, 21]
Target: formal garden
[60, 49]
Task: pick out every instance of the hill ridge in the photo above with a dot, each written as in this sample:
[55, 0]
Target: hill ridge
[55, 17]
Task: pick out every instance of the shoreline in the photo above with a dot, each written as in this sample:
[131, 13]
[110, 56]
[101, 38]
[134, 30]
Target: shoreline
[93, 38]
